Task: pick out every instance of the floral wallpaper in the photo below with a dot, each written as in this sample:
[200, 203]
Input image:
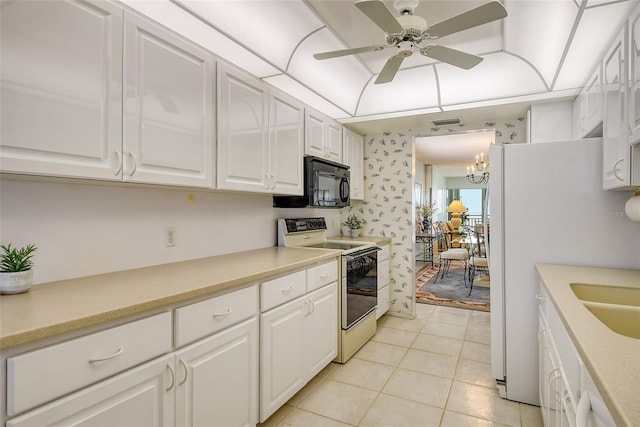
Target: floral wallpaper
[389, 171]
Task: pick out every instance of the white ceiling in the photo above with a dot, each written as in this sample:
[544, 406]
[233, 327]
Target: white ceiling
[543, 49]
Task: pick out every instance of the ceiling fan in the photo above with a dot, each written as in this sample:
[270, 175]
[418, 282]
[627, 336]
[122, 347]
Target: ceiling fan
[407, 32]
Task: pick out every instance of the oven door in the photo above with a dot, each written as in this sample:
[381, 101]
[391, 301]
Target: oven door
[359, 285]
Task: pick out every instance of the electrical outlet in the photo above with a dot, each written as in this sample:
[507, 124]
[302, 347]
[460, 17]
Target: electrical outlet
[170, 237]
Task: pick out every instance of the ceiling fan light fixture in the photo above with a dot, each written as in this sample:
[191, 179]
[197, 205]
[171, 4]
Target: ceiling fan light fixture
[405, 6]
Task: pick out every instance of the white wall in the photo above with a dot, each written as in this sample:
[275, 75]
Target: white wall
[551, 121]
[83, 228]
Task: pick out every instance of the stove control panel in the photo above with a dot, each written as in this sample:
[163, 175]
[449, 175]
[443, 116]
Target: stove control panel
[295, 225]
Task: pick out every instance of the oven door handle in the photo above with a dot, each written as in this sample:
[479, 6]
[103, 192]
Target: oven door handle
[360, 254]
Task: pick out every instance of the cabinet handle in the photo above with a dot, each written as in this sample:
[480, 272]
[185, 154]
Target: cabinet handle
[540, 297]
[309, 309]
[186, 372]
[582, 413]
[105, 358]
[540, 333]
[118, 162]
[286, 291]
[173, 377]
[267, 178]
[134, 161]
[313, 306]
[226, 313]
[272, 179]
[556, 374]
[324, 275]
[615, 170]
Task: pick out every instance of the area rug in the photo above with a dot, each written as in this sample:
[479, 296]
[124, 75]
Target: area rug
[450, 290]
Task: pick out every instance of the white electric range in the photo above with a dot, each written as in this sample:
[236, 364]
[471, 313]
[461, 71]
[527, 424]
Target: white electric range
[358, 279]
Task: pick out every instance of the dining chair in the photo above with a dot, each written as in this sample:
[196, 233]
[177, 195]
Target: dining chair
[478, 262]
[447, 255]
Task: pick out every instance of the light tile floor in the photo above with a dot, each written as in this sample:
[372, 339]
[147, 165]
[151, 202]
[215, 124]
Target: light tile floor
[430, 371]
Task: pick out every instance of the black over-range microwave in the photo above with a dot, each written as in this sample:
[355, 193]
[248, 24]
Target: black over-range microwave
[326, 185]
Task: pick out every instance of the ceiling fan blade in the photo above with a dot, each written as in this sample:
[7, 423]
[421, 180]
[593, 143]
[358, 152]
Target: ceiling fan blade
[390, 69]
[380, 14]
[484, 14]
[344, 52]
[451, 56]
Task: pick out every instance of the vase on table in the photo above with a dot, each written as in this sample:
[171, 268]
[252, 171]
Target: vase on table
[426, 225]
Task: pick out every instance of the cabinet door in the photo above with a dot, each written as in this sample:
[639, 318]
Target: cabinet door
[634, 76]
[593, 101]
[353, 156]
[139, 397]
[282, 362]
[286, 145]
[543, 365]
[217, 379]
[61, 83]
[243, 158]
[383, 301]
[321, 329]
[616, 152]
[314, 140]
[334, 142]
[168, 107]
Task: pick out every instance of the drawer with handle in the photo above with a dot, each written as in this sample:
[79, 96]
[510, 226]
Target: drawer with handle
[282, 289]
[39, 376]
[321, 275]
[201, 319]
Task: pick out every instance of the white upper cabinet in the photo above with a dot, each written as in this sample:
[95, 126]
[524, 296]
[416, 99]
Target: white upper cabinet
[587, 108]
[243, 140]
[616, 152]
[323, 137]
[286, 144]
[634, 76]
[63, 87]
[168, 107]
[61, 73]
[353, 156]
[334, 141]
[260, 136]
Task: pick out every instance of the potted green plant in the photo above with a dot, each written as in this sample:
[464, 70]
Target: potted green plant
[16, 275]
[355, 224]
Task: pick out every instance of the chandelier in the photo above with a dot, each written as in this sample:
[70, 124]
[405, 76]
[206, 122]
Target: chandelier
[478, 173]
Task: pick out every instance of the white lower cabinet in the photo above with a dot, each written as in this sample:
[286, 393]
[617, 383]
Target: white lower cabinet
[216, 379]
[297, 338]
[218, 372]
[137, 397]
[384, 272]
[130, 375]
[281, 355]
[212, 382]
[564, 381]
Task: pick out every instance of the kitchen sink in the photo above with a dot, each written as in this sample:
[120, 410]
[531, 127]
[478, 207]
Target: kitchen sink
[607, 294]
[618, 307]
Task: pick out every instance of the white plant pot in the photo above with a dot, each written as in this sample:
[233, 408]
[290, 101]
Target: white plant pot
[355, 232]
[16, 283]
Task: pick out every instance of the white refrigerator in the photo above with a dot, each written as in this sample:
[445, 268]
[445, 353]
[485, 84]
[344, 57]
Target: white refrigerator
[546, 205]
